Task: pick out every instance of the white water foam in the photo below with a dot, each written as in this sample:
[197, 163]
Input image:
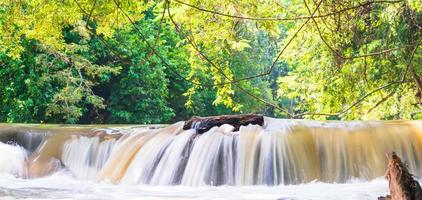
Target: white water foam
[243, 163]
[63, 185]
[12, 160]
[85, 156]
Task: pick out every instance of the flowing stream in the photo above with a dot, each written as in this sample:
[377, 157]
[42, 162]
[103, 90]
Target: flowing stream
[284, 159]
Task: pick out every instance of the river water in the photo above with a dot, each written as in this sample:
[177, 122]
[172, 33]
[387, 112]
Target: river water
[283, 159]
[62, 185]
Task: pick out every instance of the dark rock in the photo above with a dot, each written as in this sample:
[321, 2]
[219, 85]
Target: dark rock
[203, 124]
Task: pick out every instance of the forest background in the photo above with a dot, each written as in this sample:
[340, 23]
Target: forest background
[126, 61]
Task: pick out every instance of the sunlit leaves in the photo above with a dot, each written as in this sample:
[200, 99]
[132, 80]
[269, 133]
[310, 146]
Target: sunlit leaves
[73, 49]
[327, 78]
[44, 20]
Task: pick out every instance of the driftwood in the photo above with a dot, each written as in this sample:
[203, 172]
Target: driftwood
[400, 182]
[203, 124]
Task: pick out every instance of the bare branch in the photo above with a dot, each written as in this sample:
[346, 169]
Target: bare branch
[372, 92]
[354, 104]
[154, 50]
[348, 57]
[192, 42]
[230, 81]
[408, 66]
[268, 72]
[156, 38]
[381, 101]
[283, 19]
[90, 13]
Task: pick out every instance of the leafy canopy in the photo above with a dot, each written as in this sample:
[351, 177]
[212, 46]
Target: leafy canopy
[313, 59]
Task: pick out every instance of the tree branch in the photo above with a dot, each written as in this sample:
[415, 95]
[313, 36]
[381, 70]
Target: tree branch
[409, 63]
[381, 101]
[193, 44]
[353, 104]
[90, 13]
[348, 57]
[283, 19]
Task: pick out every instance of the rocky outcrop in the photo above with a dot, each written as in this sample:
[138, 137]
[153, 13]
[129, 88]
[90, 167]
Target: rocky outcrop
[401, 184]
[203, 124]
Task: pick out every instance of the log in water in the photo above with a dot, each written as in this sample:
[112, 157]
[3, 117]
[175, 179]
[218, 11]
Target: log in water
[203, 124]
[278, 152]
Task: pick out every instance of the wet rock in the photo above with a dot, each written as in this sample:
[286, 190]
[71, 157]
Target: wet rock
[203, 124]
[401, 183]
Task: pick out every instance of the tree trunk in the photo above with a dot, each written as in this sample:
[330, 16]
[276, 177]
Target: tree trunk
[401, 184]
[203, 124]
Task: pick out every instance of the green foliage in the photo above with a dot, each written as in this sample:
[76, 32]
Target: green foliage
[90, 61]
[104, 79]
[141, 92]
[48, 86]
[326, 78]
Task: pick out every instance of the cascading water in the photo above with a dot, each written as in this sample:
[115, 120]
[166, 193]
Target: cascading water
[30, 140]
[85, 156]
[12, 160]
[281, 152]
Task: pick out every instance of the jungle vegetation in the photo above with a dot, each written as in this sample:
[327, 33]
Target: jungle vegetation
[126, 61]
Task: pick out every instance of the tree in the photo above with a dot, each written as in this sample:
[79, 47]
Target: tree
[359, 64]
[337, 60]
[344, 57]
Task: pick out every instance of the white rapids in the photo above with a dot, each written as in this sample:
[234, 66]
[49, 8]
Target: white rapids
[281, 160]
[62, 185]
[12, 160]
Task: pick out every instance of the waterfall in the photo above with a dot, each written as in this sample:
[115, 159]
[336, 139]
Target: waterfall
[12, 160]
[85, 156]
[279, 152]
[176, 155]
[30, 140]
